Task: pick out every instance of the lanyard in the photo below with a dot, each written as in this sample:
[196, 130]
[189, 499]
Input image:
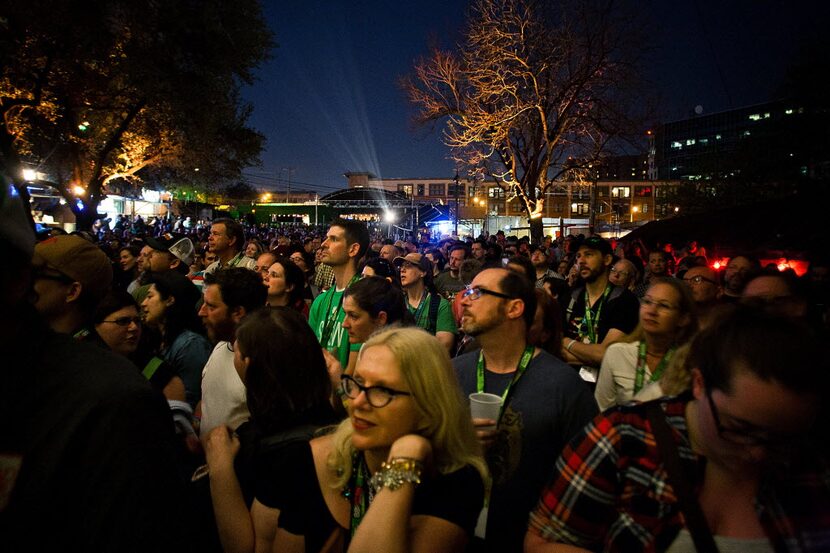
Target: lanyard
[358, 491]
[420, 309]
[331, 317]
[641, 366]
[524, 361]
[590, 321]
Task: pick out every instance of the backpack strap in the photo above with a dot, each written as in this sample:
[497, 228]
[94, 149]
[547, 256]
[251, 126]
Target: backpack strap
[301, 433]
[432, 314]
[679, 480]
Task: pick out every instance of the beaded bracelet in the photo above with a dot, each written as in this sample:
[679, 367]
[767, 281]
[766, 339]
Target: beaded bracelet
[394, 473]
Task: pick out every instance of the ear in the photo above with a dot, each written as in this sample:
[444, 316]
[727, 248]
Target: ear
[698, 384]
[74, 292]
[237, 314]
[515, 309]
[169, 301]
[382, 318]
[608, 259]
[353, 249]
[174, 262]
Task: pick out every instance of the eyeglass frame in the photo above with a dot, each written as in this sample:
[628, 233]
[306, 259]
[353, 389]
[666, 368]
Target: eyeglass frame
[120, 321]
[698, 279]
[743, 438]
[619, 272]
[659, 305]
[367, 390]
[475, 292]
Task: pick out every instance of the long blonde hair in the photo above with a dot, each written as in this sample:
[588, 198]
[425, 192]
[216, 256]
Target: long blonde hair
[443, 416]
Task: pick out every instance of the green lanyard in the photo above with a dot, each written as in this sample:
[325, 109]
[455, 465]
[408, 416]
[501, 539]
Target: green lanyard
[524, 361]
[358, 491]
[590, 321]
[420, 309]
[331, 318]
[641, 367]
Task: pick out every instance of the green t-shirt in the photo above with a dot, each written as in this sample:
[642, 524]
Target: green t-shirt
[326, 320]
[445, 321]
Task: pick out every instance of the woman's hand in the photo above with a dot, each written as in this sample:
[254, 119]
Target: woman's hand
[334, 368]
[221, 448]
[412, 446]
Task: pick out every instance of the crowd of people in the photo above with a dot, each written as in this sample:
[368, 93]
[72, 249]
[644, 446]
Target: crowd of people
[219, 386]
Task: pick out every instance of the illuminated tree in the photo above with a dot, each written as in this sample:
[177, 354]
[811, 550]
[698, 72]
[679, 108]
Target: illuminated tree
[536, 89]
[105, 91]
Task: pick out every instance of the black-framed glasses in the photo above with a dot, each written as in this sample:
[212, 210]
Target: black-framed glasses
[619, 272]
[124, 321]
[377, 396]
[699, 279]
[475, 292]
[736, 436]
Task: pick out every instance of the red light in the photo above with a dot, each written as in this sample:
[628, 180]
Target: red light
[716, 265]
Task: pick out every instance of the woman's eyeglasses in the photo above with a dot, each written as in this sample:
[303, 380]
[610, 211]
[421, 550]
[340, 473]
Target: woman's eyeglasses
[124, 321]
[377, 396]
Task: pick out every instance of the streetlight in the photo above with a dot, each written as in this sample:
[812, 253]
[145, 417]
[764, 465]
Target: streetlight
[29, 174]
[78, 190]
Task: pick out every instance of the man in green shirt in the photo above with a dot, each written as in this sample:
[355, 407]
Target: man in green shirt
[345, 244]
[431, 311]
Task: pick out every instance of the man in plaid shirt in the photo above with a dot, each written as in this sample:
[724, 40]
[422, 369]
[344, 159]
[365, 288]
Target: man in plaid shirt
[758, 383]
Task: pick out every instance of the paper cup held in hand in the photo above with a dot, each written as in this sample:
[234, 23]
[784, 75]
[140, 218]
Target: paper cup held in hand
[485, 406]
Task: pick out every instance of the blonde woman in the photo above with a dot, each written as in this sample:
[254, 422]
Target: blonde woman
[403, 472]
[667, 321]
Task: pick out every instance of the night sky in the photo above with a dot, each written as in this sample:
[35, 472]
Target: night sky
[329, 101]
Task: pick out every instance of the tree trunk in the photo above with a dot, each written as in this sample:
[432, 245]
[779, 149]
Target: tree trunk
[537, 231]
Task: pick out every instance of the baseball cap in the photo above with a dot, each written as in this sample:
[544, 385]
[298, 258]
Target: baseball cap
[539, 248]
[79, 259]
[593, 243]
[416, 259]
[178, 246]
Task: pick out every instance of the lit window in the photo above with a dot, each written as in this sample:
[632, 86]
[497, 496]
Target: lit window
[789, 112]
[676, 145]
[747, 133]
[755, 117]
[717, 137]
[690, 142]
[704, 141]
[766, 116]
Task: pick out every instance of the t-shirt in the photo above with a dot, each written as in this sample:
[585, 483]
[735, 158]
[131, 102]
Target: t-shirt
[456, 497]
[615, 385]
[547, 407]
[444, 321]
[447, 285]
[326, 318]
[223, 392]
[188, 354]
[620, 309]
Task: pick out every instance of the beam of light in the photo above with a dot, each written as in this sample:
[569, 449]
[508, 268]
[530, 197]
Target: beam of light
[346, 133]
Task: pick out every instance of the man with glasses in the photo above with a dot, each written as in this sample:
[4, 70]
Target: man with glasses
[264, 262]
[623, 274]
[70, 276]
[230, 295]
[748, 437]
[707, 291]
[544, 401]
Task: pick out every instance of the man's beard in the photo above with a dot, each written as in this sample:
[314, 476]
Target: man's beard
[223, 332]
[594, 275]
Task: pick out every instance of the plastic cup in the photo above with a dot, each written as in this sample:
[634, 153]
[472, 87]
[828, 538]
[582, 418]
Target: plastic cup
[485, 406]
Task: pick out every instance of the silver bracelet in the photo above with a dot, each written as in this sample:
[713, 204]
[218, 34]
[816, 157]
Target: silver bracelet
[396, 472]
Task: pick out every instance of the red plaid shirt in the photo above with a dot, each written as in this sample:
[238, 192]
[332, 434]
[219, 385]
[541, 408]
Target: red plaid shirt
[611, 493]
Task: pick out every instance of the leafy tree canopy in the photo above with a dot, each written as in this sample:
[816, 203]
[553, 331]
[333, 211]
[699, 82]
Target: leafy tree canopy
[102, 90]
